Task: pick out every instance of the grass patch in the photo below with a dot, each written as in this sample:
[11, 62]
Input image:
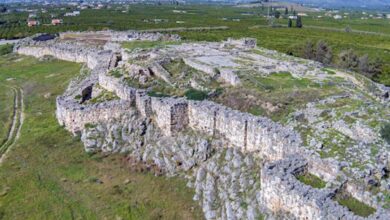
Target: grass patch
[354, 205]
[103, 97]
[6, 111]
[116, 73]
[48, 173]
[311, 180]
[6, 49]
[147, 44]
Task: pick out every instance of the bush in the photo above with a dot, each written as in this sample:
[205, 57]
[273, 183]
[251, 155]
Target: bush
[194, 94]
[349, 59]
[385, 132]
[6, 49]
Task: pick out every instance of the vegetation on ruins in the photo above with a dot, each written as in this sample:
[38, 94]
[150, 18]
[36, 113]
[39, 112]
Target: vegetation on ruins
[385, 132]
[354, 205]
[311, 180]
[194, 94]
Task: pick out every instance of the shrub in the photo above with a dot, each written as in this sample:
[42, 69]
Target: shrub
[6, 49]
[323, 52]
[349, 59]
[385, 132]
[194, 94]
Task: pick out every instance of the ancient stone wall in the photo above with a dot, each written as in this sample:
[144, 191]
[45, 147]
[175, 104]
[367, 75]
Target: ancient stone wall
[115, 85]
[327, 169]
[143, 103]
[201, 67]
[171, 114]
[75, 116]
[72, 54]
[282, 192]
[160, 72]
[202, 116]
[279, 146]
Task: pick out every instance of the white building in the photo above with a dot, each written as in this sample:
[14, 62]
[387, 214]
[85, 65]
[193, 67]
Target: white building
[337, 17]
[74, 13]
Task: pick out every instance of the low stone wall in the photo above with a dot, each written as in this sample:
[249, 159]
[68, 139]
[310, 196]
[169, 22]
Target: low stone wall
[282, 192]
[201, 67]
[73, 54]
[327, 169]
[230, 77]
[115, 85]
[160, 72]
[361, 194]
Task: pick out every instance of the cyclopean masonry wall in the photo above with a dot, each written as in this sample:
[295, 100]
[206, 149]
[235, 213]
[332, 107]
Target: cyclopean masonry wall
[75, 116]
[279, 146]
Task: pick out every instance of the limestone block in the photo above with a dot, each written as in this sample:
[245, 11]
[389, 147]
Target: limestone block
[232, 125]
[143, 103]
[171, 114]
[202, 116]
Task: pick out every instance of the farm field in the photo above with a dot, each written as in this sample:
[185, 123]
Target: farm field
[48, 173]
[241, 22]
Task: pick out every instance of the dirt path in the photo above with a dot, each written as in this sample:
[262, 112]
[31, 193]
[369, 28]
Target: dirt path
[16, 124]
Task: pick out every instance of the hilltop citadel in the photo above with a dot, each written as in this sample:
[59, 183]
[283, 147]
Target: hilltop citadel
[132, 101]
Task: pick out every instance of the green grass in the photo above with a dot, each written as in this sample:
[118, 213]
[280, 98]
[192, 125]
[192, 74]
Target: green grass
[354, 205]
[6, 110]
[47, 175]
[6, 49]
[103, 97]
[312, 180]
[194, 94]
[147, 44]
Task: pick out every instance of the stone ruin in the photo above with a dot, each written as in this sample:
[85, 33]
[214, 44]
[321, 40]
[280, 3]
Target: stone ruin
[279, 147]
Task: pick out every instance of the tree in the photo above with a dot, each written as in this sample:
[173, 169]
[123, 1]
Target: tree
[277, 14]
[299, 22]
[364, 64]
[348, 29]
[323, 52]
[309, 50]
[375, 67]
[348, 59]
[3, 9]
[286, 11]
[289, 23]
